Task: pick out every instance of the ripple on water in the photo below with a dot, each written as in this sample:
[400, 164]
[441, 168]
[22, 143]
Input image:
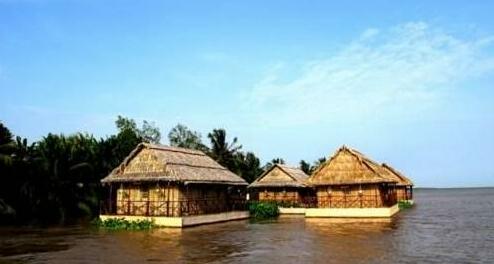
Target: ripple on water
[446, 226]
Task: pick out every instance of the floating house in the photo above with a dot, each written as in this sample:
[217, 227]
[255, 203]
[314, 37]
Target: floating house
[351, 185]
[173, 187]
[281, 184]
[404, 187]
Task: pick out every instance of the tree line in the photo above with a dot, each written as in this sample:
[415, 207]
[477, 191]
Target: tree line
[57, 179]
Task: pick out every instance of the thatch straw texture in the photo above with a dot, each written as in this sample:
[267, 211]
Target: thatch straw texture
[402, 180]
[348, 166]
[150, 162]
[281, 176]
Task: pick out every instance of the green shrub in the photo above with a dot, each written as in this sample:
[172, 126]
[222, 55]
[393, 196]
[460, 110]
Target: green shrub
[263, 209]
[123, 224]
[403, 204]
[288, 204]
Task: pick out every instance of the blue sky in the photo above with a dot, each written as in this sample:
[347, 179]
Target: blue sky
[409, 84]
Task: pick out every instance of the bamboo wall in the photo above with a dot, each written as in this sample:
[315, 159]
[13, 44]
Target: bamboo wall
[134, 198]
[172, 199]
[350, 196]
[206, 197]
[279, 195]
[276, 175]
[144, 162]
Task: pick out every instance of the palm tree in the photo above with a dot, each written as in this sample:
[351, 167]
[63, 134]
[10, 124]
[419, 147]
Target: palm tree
[182, 136]
[305, 167]
[272, 162]
[248, 166]
[318, 163]
[222, 151]
[7, 148]
[7, 145]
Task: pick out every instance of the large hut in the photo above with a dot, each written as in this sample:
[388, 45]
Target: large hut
[404, 187]
[281, 184]
[351, 180]
[162, 181]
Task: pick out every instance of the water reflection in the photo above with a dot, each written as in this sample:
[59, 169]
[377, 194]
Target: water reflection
[445, 227]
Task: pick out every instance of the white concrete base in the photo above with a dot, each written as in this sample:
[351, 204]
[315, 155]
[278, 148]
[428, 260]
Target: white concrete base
[292, 210]
[346, 220]
[352, 212]
[214, 218]
[186, 220]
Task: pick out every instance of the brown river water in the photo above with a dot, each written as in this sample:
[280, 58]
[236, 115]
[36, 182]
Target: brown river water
[445, 226]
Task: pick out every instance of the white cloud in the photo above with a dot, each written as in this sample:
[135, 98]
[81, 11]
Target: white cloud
[369, 33]
[394, 70]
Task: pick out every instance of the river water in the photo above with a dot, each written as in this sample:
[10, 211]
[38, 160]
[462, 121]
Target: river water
[445, 226]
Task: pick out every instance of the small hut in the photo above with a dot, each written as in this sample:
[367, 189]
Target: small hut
[404, 187]
[280, 184]
[162, 181]
[351, 180]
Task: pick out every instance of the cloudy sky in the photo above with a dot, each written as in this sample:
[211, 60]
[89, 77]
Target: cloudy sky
[408, 84]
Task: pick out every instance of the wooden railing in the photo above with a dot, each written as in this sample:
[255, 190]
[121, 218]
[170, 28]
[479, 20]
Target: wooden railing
[339, 201]
[171, 208]
[299, 202]
[355, 201]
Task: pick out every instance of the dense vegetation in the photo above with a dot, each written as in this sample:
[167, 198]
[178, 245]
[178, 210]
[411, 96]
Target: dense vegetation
[57, 179]
[262, 210]
[123, 224]
[403, 204]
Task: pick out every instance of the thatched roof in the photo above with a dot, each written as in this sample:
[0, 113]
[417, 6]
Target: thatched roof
[348, 166]
[150, 162]
[402, 180]
[280, 176]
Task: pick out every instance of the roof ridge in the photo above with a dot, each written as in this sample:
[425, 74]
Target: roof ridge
[283, 168]
[287, 166]
[289, 174]
[374, 167]
[264, 173]
[173, 149]
[367, 161]
[397, 173]
[196, 166]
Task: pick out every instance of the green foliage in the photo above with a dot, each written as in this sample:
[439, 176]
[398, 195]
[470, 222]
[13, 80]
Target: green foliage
[262, 210]
[247, 166]
[124, 123]
[274, 161]
[222, 151]
[305, 167]
[123, 224]
[148, 133]
[57, 179]
[318, 163]
[308, 168]
[7, 146]
[404, 204]
[181, 136]
[288, 204]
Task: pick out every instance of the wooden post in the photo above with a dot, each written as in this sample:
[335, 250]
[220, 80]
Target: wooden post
[110, 201]
[147, 207]
[168, 199]
[375, 197]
